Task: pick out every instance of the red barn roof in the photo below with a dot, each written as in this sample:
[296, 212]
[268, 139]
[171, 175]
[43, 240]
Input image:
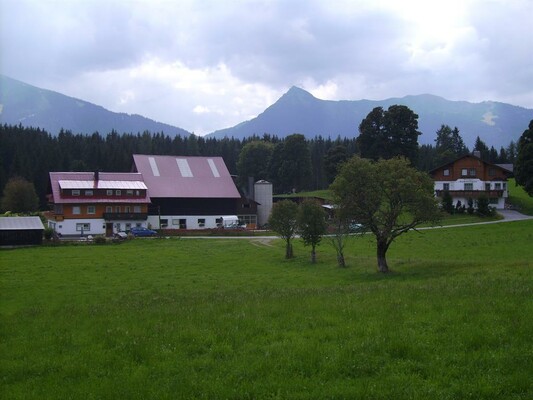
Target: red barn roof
[186, 177]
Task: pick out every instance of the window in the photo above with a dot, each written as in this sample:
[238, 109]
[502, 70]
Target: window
[498, 186]
[127, 209]
[91, 210]
[201, 222]
[487, 186]
[137, 193]
[446, 172]
[89, 193]
[76, 210]
[464, 172]
[504, 185]
[117, 209]
[118, 192]
[136, 209]
[472, 172]
[128, 227]
[492, 171]
[109, 209]
[75, 192]
[164, 223]
[175, 222]
[109, 192]
[58, 209]
[183, 224]
[469, 186]
[129, 192]
[83, 227]
[446, 186]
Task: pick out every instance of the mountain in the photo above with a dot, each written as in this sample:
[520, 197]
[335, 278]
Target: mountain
[297, 111]
[28, 105]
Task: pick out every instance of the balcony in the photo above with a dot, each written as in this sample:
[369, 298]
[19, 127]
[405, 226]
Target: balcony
[474, 194]
[125, 216]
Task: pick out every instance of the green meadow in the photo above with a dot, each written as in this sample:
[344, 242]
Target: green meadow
[232, 319]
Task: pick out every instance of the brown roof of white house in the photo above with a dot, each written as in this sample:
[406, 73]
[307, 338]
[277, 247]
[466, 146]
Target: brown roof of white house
[185, 177]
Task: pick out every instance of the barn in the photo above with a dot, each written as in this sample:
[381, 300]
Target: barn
[18, 231]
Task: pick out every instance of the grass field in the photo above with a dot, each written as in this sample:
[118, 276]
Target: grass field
[231, 319]
[519, 198]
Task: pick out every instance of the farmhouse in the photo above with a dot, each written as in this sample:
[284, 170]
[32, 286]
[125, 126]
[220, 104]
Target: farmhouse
[97, 203]
[469, 177]
[193, 193]
[16, 231]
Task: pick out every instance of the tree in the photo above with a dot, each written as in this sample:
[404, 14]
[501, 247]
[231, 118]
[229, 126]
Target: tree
[447, 202]
[341, 224]
[449, 144]
[523, 169]
[483, 149]
[386, 134]
[291, 164]
[334, 157]
[388, 197]
[283, 221]
[254, 160]
[20, 196]
[311, 224]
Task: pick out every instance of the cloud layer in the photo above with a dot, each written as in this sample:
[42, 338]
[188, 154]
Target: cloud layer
[206, 65]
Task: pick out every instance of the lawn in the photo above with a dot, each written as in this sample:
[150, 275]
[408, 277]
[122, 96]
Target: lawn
[519, 198]
[230, 318]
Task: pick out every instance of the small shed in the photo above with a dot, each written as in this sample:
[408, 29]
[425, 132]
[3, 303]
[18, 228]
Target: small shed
[16, 231]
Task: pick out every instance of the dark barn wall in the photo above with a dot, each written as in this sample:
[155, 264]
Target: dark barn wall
[193, 206]
[21, 237]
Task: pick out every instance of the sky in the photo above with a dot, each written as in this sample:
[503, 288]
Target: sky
[204, 65]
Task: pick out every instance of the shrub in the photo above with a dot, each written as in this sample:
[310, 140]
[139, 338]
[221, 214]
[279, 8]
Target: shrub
[100, 240]
[48, 233]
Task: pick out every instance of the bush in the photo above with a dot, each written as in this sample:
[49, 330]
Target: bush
[100, 240]
[48, 233]
[483, 208]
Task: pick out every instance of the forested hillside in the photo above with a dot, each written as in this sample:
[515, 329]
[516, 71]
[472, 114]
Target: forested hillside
[32, 153]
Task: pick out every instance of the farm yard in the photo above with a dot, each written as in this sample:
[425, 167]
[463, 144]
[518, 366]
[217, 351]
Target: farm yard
[206, 319]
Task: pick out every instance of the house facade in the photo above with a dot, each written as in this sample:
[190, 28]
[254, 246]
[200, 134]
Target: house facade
[192, 193]
[97, 203]
[469, 177]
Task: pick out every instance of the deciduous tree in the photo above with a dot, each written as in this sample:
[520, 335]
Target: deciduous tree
[283, 221]
[388, 197]
[20, 196]
[311, 224]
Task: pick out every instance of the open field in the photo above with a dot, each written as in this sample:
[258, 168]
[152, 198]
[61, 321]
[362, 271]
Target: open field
[210, 319]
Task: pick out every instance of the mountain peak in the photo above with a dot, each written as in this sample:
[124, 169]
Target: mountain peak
[296, 95]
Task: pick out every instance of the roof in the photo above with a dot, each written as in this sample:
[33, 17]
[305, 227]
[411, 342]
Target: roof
[106, 180]
[500, 166]
[186, 177]
[20, 223]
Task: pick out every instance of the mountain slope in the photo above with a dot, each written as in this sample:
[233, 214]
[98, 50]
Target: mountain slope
[28, 105]
[297, 111]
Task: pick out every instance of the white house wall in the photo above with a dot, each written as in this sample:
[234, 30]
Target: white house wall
[97, 226]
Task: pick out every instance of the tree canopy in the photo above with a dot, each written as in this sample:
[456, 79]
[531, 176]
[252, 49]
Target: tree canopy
[311, 224]
[390, 133]
[283, 221]
[387, 197]
[20, 196]
[524, 161]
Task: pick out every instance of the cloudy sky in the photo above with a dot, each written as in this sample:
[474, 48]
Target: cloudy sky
[204, 65]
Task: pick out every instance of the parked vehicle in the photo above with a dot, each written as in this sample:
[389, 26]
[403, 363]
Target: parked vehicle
[139, 231]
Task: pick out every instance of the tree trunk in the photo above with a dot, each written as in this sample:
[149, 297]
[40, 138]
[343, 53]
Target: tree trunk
[288, 250]
[381, 253]
[340, 260]
[313, 255]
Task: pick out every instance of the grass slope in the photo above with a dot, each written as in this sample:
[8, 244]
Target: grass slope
[180, 319]
[519, 198]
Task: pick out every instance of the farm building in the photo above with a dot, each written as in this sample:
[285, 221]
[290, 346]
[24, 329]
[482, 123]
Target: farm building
[469, 177]
[16, 231]
[193, 193]
[97, 203]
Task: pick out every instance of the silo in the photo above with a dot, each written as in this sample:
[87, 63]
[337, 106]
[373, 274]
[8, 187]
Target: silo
[263, 196]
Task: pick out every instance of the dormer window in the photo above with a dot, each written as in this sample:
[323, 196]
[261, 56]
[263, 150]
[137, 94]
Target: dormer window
[75, 192]
[109, 192]
[89, 193]
[446, 172]
[118, 192]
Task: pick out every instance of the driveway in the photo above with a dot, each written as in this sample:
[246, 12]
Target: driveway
[513, 215]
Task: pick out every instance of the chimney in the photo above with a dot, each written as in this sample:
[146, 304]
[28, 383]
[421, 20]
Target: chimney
[477, 153]
[96, 178]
